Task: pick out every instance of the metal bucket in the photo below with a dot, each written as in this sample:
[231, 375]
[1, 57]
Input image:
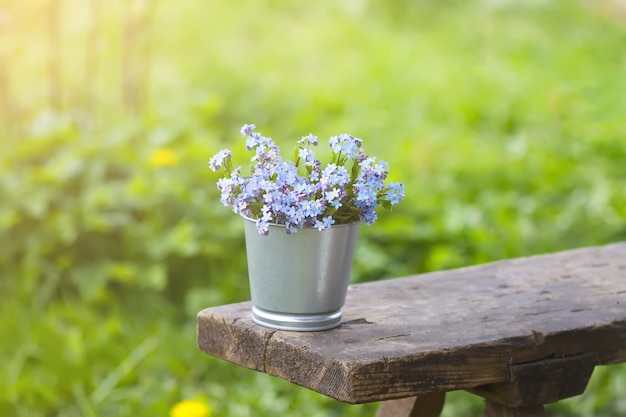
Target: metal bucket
[299, 281]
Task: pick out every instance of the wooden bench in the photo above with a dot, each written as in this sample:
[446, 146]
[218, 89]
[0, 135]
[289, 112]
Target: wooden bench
[521, 333]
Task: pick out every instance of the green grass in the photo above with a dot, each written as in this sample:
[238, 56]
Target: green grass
[503, 120]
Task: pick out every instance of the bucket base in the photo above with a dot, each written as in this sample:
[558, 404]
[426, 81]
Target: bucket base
[296, 322]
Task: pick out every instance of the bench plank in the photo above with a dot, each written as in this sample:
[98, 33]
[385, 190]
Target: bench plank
[442, 331]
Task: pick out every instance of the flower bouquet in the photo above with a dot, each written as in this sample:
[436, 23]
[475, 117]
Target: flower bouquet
[301, 193]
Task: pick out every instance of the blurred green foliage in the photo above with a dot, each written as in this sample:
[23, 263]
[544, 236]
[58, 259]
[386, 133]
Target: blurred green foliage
[503, 119]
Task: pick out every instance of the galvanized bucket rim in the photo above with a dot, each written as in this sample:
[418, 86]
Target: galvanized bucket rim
[250, 219]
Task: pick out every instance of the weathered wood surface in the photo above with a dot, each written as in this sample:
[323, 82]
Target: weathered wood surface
[542, 382]
[442, 331]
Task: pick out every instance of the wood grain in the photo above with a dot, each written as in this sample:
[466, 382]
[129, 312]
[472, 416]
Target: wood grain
[442, 331]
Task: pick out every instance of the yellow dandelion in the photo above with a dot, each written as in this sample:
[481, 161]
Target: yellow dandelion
[190, 408]
[164, 157]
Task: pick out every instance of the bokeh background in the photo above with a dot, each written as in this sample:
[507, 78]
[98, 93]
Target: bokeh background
[504, 119]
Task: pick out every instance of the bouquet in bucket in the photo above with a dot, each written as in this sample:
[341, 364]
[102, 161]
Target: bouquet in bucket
[302, 193]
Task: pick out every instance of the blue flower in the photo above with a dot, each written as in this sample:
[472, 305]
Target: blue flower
[334, 175]
[218, 161]
[325, 223]
[307, 155]
[225, 185]
[346, 144]
[263, 227]
[253, 142]
[309, 140]
[332, 194]
[248, 130]
[395, 193]
[368, 217]
[314, 176]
